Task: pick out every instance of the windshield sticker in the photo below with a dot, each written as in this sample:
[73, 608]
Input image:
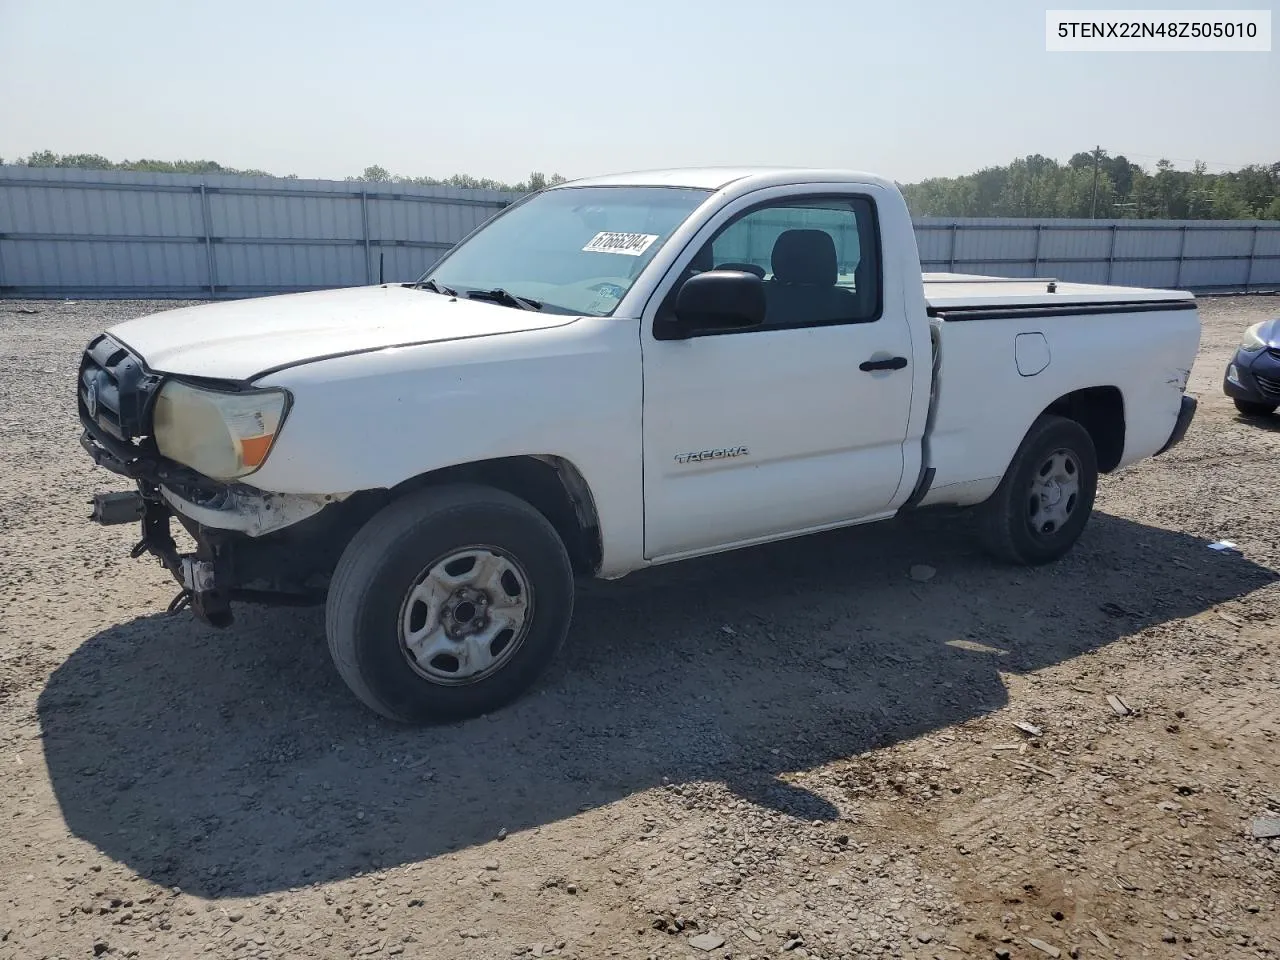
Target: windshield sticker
[628, 244]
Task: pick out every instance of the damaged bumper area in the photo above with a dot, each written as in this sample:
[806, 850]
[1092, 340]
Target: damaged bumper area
[249, 544]
[248, 511]
[1186, 413]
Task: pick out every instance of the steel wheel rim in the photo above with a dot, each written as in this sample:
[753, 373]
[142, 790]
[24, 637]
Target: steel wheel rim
[1055, 493]
[465, 616]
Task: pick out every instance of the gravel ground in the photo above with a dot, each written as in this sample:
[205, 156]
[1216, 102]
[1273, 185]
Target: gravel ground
[790, 751]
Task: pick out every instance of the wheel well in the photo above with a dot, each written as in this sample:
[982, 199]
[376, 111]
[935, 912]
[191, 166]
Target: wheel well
[1100, 410]
[551, 485]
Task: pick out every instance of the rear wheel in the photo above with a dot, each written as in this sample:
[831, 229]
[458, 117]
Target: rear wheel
[448, 604]
[1249, 408]
[1044, 501]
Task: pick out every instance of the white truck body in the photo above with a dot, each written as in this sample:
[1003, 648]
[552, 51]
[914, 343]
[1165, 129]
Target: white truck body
[675, 446]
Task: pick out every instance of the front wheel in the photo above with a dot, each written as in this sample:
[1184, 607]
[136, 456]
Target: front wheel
[1250, 408]
[448, 604]
[1044, 501]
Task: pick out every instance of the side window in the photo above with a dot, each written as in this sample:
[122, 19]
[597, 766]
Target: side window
[817, 258]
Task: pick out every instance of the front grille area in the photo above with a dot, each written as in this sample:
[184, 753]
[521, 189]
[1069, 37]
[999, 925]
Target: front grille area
[116, 389]
[1268, 385]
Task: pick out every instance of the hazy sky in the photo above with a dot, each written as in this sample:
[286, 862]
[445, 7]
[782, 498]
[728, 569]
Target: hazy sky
[500, 88]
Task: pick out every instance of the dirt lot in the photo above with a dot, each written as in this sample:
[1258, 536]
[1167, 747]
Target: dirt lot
[792, 751]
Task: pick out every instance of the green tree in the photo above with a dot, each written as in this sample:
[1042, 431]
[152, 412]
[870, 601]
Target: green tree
[371, 174]
[1171, 190]
[1038, 186]
[1227, 203]
[83, 161]
[1120, 172]
[375, 174]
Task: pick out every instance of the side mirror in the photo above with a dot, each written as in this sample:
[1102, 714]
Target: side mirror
[719, 300]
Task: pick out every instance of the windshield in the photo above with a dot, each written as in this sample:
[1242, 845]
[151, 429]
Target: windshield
[574, 250]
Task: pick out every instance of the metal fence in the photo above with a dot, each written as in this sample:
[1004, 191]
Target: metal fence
[90, 233]
[1207, 256]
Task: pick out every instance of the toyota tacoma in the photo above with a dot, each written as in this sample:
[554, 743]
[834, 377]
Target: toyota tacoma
[609, 374]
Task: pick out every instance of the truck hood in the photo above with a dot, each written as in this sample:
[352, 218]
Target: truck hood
[242, 339]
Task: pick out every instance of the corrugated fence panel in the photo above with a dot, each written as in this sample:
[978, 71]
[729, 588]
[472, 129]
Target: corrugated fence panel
[995, 245]
[1268, 243]
[1076, 243]
[110, 233]
[1155, 242]
[1150, 273]
[412, 235]
[933, 243]
[1218, 243]
[285, 266]
[1205, 256]
[1074, 271]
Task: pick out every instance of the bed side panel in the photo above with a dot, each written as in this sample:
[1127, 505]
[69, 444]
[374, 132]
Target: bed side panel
[985, 405]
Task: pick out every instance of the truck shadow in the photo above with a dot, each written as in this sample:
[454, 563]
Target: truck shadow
[234, 763]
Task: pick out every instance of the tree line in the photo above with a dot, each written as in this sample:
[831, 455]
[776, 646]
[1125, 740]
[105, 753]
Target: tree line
[371, 174]
[1095, 184]
[535, 182]
[1090, 184]
[94, 161]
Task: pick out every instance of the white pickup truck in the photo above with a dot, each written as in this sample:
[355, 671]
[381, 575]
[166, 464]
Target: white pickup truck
[609, 374]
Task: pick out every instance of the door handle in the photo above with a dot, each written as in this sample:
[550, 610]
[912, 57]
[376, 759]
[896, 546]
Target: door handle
[891, 363]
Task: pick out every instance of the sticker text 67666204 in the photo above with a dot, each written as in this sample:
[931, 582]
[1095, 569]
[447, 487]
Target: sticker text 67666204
[628, 244]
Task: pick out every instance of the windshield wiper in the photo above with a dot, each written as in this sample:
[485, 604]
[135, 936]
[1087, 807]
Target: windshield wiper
[506, 298]
[437, 288]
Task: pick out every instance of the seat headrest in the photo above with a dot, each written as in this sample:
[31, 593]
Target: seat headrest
[742, 267]
[805, 257]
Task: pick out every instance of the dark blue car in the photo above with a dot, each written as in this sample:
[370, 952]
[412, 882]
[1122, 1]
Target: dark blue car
[1253, 375]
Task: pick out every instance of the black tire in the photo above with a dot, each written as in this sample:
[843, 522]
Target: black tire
[394, 551]
[1005, 520]
[1250, 408]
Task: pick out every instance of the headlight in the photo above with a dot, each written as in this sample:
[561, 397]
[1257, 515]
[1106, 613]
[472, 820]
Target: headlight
[222, 435]
[1252, 342]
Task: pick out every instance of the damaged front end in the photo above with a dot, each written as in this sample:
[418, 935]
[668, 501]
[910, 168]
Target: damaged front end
[249, 544]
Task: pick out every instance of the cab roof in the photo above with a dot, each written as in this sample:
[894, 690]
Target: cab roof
[717, 178]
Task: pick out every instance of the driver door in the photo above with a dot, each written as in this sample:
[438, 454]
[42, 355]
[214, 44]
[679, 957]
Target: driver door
[768, 431]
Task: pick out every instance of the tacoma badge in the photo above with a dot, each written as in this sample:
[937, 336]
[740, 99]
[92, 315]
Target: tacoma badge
[722, 453]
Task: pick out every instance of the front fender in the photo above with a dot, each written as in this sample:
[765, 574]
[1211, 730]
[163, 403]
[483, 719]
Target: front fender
[377, 420]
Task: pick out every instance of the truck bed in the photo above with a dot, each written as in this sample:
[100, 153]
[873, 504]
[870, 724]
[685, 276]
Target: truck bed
[958, 296]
